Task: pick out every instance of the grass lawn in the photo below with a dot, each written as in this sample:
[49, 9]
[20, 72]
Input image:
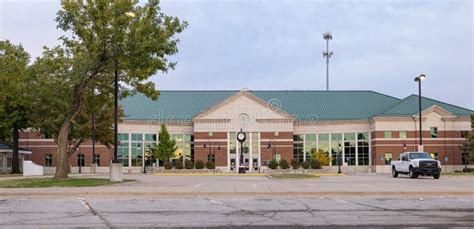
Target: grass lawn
[49, 182]
[293, 176]
[457, 174]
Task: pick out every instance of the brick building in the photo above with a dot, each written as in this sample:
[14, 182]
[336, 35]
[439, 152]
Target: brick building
[362, 129]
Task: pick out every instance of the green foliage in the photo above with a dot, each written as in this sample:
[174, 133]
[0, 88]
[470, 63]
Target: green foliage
[210, 165]
[295, 164]
[179, 164]
[306, 165]
[16, 97]
[188, 164]
[167, 146]
[468, 145]
[315, 164]
[284, 164]
[168, 165]
[48, 182]
[273, 164]
[321, 157]
[99, 36]
[199, 165]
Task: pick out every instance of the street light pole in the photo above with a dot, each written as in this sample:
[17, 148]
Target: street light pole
[116, 89]
[419, 79]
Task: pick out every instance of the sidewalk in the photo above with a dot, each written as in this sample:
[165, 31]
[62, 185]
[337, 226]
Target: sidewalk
[350, 185]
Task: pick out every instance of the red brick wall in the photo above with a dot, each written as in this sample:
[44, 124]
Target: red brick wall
[212, 143]
[283, 143]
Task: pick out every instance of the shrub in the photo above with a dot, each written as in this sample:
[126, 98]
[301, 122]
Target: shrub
[306, 165]
[168, 165]
[188, 164]
[284, 164]
[468, 170]
[295, 164]
[210, 165]
[315, 164]
[321, 157]
[199, 165]
[179, 164]
[273, 164]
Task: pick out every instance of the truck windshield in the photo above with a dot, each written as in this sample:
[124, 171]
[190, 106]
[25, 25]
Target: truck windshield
[419, 155]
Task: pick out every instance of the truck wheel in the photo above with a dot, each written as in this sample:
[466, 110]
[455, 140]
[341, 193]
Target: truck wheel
[394, 172]
[412, 174]
[436, 176]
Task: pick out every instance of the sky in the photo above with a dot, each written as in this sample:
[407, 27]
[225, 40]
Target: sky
[277, 45]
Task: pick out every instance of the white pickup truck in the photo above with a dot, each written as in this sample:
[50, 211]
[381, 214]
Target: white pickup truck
[415, 164]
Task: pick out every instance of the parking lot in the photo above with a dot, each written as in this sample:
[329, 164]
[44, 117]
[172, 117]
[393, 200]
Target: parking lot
[246, 201]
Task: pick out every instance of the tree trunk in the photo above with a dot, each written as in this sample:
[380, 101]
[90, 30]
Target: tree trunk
[62, 165]
[16, 155]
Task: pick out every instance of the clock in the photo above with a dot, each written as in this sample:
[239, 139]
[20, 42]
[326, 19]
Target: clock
[241, 137]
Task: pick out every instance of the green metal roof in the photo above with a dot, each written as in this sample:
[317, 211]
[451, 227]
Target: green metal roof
[409, 107]
[303, 105]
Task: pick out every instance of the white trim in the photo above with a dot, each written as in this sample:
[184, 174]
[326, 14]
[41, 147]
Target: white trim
[416, 139]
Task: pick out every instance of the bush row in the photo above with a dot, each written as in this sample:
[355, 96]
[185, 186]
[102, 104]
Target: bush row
[189, 165]
[283, 164]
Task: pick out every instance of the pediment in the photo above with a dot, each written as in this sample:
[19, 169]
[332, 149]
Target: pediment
[243, 102]
[438, 111]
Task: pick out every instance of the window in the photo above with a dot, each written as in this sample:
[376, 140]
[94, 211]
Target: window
[403, 134]
[310, 145]
[350, 148]
[434, 132]
[80, 160]
[298, 147]
[97, 159]
[336, 151]
[48, 160]
[363, 148]
[387, 134]
[388, 158]
[137, 137]
[122, 151]
[137, 154]
[9, 162]
[150, 137]
[434, 156]
[464, 134]
[323, 141]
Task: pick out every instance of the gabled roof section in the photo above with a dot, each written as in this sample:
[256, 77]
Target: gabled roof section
[9, 148]
[248, 95]
[409, 107]
[302, 105]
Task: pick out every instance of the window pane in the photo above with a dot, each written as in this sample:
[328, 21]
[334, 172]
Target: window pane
[403, 134]
[310, 145]
[363, 136]
[387, 134]
[388, 158]
[137, 137]
[122, 137]
[232, 143]
[298, 137]
[336, 140]
[349, 148]
[363, 153]
[150, 137]
[323, 141]
[434, 132]
[122, 153]
[137, 155]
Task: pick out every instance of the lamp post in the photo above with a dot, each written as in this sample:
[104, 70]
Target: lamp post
[272, 146]
[338, 158]
[419, 79]
[404, 147]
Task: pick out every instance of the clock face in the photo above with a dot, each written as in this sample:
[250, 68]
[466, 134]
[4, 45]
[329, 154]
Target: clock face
[241, 137]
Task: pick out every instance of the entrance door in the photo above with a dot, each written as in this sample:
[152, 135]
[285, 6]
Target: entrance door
[250, 149]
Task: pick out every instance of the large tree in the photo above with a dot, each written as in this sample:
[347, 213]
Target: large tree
[100, 36]
[15, 96]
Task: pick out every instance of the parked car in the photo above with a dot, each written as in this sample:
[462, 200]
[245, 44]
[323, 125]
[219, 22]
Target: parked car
[415, 164]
